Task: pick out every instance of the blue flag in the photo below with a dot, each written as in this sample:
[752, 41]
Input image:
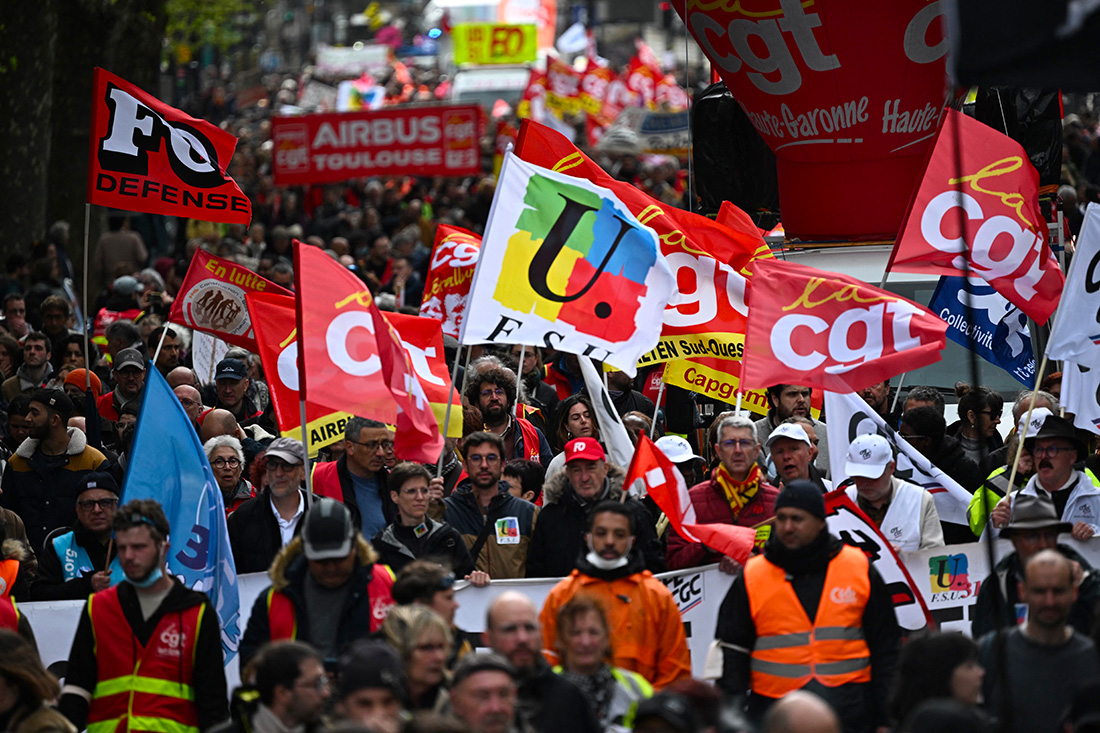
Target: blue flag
[998, 333]
[167, 463]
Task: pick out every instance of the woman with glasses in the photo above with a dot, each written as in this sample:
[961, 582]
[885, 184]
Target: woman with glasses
[423, 639]
[226, 457]
[413, 535]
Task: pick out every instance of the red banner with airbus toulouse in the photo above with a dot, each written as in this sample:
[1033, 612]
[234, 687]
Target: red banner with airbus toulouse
[426, 141]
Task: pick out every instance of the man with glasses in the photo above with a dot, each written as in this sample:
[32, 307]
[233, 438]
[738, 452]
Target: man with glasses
[359, 478]
[1055, 449]
[736, 493]
[493, 390]
[496, 526]
[1034, 527]
[293, 689]
[265, 524]
[415, 535]
[80, 560]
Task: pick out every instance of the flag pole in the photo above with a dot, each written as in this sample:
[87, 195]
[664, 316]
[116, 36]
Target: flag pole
[465, 370]
[737, 407]
[87, 316]
[897, 392]
[450, 402]
[519, 369]
[163, 333]
[656, 409]
[301, 367]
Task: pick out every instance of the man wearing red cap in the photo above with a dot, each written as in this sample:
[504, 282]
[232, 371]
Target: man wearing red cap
[568, 495]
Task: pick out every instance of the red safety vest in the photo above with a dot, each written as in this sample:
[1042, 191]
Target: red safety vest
[143, 688]
[530, 440]
[791, 651]
[9, 614]
[282, 621]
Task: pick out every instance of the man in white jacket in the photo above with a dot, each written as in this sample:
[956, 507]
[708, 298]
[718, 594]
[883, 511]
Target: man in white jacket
[905, 513]
[1055, 449]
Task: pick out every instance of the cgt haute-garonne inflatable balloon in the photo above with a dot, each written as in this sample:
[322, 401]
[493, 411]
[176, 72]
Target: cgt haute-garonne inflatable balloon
[847, 93]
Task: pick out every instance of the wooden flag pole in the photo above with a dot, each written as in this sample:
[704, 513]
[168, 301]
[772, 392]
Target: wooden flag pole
[450, 402]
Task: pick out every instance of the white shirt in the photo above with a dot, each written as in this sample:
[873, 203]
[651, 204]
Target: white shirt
[286, 526]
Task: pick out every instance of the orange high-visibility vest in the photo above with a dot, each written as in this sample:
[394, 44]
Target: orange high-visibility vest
[143, 688]
[9, 571]
[791, 651]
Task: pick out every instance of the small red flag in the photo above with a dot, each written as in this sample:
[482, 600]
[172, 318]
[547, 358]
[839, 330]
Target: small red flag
[450, 274]
[146, 156]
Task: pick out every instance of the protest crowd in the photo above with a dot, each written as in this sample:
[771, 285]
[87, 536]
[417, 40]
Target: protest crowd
[471, 430]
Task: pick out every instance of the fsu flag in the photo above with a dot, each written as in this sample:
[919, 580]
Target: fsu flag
[146, 156]
[565, 264]
[450, 273]
[422, 339]
[212, 299]
[978, 207]
[352, 359]
[277, 345]
[665, 484]
[831, 331]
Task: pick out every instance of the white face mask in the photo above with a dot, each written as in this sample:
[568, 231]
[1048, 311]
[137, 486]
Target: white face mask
[603, 563]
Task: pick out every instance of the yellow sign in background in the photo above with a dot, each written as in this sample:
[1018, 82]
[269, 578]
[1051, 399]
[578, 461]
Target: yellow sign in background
[494, 43]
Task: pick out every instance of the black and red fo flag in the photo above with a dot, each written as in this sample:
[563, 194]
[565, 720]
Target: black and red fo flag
[146, 156]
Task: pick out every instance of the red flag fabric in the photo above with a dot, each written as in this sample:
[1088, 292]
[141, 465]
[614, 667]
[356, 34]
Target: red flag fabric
[422, 339]
[666, 486]
[212, 299]
[146, 156]
[978, 202]
[352, 358]
[277, 345]
[822, 329]
[450, 274]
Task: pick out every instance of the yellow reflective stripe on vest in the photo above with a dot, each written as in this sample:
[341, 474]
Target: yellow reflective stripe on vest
[794, 671]
[150, 685]
[802, 638]
[138, 722]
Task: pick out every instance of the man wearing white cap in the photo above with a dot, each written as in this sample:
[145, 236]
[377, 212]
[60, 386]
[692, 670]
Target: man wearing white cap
[679, 451]
[904, 512]
[791, 452]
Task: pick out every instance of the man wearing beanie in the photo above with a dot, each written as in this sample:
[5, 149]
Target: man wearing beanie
[80, 560]
[809, 614]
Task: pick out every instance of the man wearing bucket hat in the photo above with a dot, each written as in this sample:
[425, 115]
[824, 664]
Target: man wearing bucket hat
[1035, 526]
[904, 512]
[1055, 449]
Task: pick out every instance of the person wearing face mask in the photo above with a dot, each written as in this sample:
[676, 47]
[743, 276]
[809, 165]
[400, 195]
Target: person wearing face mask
[643, 618]
[147, 654]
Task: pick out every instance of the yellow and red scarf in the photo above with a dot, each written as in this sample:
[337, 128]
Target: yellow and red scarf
[738, 493]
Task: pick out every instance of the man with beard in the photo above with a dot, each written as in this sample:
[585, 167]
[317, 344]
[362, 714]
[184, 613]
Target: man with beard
[495, 525]
[1049, 660]
[546, 701]
[359, 478]
[292, 686]
[78, 561]
[786, 401]
[148, 634]
[493, 390]
[643, 618]
[169, 357]
[43, 479]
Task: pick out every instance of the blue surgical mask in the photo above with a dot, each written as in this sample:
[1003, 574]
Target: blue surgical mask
[153, 579]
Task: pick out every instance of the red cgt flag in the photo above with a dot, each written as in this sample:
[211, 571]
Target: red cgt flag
[450, 274]
[352, 359]
[212, 299]
[666, 486]
[978, 204]
[831, 331]
[422, 339]
[146, 156]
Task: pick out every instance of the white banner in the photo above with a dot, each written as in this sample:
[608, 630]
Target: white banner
[1076, 330]
[619, 447]
[206, 352]
[850, 416]
[1081, 394]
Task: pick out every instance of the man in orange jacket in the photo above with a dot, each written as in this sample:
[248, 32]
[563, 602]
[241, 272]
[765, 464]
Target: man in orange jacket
[770, 646]
[647, 633]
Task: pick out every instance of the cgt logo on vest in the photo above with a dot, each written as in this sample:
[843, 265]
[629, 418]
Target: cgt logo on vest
[170, 641]
[842, 596]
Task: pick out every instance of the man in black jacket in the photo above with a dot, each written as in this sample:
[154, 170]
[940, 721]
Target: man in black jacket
[266, 523]
[414, 535]
[770, 613]
[546, 701]
[74, 562]
[586, 480]
[359, 477]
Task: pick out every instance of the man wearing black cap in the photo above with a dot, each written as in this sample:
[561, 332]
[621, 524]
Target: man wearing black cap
[327, 587]
[80, 560]
[370, 686]
[129, 375]
[231, 377]
[809, 596]
[1055, 449]
[1035, 526]
[44, 477]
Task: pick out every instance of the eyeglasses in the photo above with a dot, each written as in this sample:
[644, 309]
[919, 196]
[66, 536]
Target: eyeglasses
[277, 464]
[477, 459]
[992, 415]
[319, 683]
[416, 492]
[373, 445]
[1050, 451]
[104, 504]
[183, 401]
[741, 445]
[498, 392]
[231, 462]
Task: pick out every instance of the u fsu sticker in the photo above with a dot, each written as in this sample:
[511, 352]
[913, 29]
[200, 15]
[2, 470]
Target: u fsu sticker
[507, 531]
